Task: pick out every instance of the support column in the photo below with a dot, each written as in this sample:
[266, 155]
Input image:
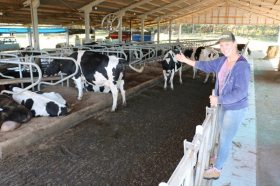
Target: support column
[170, 30]
[278, 36]
[34, 4]
[158, 30]
[142, 27]
[179, 32]
[29, 34]
[67, 37]
[87, 24]
[120, 15]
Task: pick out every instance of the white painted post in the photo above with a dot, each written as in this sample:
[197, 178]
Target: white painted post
[29, 34]
[87, 23]
[142, 27]
[120, 15]
[34, 4]
[179, 32]
[67, 37]
[158, 30]
[279, 36]
[170, 31]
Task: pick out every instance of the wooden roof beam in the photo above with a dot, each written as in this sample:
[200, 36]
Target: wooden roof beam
[163, 7]
[254, 10]
[257, 8]
[132, 6]
[185, 9]
[92, 4]
[199, 11]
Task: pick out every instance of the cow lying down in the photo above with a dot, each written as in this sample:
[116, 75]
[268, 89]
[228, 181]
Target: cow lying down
[41, 104]
[97, 72]
[12, 114]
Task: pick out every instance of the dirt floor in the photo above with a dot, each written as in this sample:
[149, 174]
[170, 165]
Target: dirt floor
[140, 144]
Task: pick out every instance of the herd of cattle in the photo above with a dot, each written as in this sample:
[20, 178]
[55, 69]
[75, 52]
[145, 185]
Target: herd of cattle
[98, 73]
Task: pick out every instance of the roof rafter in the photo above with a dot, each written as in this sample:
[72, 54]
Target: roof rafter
[90, 5]
[199, 11]
[132, 6]
[163, 7]
[184, 9]
[254, 10]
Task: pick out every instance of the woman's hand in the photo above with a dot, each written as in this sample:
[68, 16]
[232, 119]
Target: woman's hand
[213, 100]
[182, 58]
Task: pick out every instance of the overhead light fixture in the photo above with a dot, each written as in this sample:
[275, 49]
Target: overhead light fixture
[95, 8]
[134, 13]
[1, 13]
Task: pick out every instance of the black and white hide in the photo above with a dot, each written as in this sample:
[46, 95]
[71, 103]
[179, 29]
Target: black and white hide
[41, 104]
[97, 72]
[170, 65]
[242, 48]
[202, 54]
[12, 114]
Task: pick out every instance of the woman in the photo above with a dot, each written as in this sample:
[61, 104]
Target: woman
[231, 94]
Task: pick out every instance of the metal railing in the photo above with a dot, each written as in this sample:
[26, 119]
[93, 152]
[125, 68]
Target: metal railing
[62, 75]
[12, 80]
[197, 154]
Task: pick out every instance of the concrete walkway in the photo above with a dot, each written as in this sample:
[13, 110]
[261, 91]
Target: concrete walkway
[254, 159]
[267, 85]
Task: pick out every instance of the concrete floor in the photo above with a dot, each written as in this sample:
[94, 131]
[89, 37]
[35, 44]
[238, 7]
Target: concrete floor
[267, 85]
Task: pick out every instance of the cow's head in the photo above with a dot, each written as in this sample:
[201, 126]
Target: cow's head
[54, 67]
[177, 49]
[208, 54]
[12, 111]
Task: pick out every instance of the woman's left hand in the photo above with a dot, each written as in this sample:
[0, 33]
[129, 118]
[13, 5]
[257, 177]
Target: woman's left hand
[213, 100]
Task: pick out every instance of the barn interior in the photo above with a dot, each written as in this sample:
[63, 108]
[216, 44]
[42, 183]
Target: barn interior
[145, 17]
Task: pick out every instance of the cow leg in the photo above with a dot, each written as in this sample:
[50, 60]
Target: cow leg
[194, 72]
[171, 79]
[79, 86]
[165, 80]
[206, 78]
[114, 91]
[180, 75]
[121, 87]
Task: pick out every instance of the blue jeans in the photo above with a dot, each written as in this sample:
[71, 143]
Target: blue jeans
[229, 121]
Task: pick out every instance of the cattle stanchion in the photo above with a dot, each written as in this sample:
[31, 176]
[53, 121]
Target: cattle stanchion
[62, 79]
[197, 154]
[14, 80]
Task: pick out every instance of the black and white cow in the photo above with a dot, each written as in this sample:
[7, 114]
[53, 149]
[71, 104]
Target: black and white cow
[99, 72]
[170, 65]
[202, 54]
[41, 104]
[12, 114]
[241, 47]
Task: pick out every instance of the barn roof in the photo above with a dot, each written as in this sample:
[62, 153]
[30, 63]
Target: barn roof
[70, 12]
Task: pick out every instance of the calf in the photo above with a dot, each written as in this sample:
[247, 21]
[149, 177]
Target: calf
[12, 114]
[99, 72]
[202, 54]
[170, 65]
[41, 104]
